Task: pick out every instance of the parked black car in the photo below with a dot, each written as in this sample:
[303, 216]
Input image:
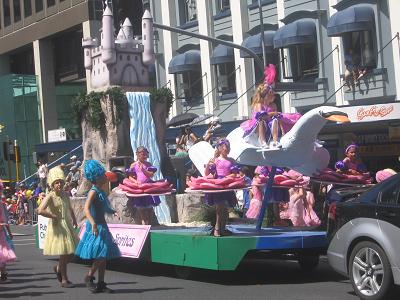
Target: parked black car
[364, 234]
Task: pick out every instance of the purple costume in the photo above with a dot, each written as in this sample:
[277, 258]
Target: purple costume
[145, 201]
[223, 168]
[286, 122]
[359, 167]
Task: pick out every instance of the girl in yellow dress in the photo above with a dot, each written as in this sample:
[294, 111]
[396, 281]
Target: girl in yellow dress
[61, 238]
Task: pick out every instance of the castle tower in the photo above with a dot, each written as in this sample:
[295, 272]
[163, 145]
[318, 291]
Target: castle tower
[108, 54]
[125, 34]
[127, 28]
[88, 44]
[148, 39]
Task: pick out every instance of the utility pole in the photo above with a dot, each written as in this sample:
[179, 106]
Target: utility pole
[262, 32]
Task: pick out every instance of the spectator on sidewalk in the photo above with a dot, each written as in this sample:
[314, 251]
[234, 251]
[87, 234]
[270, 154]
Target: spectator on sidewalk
[212, 126]
[42, 173]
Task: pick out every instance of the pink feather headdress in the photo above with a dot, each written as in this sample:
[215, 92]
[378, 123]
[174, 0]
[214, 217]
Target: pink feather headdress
[269, 77]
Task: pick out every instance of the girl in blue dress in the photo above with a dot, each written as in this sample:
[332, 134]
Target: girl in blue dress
[97, 242]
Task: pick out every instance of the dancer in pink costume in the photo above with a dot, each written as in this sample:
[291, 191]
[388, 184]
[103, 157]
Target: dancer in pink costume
[384, 174]
[267, 124]
[142, 171]
[7, 254]
[300, 208]
[257, 194]
[221, 166]
[352, 162]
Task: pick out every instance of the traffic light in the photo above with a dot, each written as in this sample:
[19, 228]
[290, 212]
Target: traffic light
[11, 151]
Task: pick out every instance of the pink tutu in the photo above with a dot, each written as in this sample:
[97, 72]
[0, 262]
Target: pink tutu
[300, 211]
[254, 209]
[6, 253]
[286, 122]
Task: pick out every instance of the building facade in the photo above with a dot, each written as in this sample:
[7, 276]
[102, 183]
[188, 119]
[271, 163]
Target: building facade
[314, 44]
[310, 41]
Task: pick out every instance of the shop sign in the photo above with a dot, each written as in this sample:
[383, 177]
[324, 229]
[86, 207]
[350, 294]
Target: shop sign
[56, 135]
[370, 113]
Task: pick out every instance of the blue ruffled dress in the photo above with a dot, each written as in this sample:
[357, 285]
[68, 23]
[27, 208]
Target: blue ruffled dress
[103, 245]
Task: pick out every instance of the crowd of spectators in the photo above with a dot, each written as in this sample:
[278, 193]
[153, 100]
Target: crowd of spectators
[21, 199]
[354, 71]
[188, 138]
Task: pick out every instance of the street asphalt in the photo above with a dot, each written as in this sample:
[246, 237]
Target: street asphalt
[31, 277]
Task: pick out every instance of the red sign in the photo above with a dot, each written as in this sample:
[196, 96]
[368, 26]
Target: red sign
[374, 111]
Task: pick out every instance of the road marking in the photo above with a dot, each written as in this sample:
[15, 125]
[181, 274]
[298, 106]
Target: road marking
[21, 240]
[21, 234]
[24, 244]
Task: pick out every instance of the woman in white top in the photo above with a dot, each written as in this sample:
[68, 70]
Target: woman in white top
[188, 139]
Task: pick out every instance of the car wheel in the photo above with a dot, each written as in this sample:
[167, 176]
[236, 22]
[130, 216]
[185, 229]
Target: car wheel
[369, 271]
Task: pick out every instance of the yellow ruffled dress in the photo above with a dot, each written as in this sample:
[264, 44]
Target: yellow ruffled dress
[61, 238]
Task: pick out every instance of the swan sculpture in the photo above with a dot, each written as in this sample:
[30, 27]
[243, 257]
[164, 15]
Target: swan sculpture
[300, 149]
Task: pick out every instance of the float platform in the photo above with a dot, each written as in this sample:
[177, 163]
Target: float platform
[194, 247]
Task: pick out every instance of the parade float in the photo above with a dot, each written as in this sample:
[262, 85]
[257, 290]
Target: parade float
[118, 115]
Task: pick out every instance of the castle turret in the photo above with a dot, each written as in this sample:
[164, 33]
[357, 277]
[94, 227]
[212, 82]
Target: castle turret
[125, 34]
[88, 44]
[148, 38]
[108, 54]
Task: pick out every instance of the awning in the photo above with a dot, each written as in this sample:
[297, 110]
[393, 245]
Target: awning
[254, 43]
[63, 146]
[354, 18]
[188, 61]
[297, 33]
[221, 55]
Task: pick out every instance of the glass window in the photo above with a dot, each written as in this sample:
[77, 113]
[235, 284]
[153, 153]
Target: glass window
[187, 11]
[272, 58]
[17, 10]
[390, 195]
[27, 8]
[132, 9]
[303, 62]
[22, 62]
[95, 8]
[38, 5]
[7, 13]
[222, 5]
[360, 47]
[189, 86]
[226, 78]
[51, 3]
[69, 57]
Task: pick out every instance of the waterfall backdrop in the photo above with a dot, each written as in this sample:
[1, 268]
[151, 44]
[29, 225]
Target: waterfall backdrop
[143, 133]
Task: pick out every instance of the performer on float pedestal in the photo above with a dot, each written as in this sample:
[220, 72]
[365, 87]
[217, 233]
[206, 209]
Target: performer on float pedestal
[221, 166]
[143, 172]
